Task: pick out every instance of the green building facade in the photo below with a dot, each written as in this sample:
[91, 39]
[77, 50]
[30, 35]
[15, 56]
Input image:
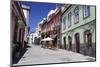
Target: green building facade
[79, 29]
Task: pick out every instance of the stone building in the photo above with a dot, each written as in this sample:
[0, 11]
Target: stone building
[79, 29]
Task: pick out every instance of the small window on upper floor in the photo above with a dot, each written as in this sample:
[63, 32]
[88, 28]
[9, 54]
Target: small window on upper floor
[76, 14]
[64, 23]
[69, 19]
[86, 11]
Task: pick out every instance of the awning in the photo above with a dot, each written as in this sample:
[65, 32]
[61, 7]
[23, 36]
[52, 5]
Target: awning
[47, 39]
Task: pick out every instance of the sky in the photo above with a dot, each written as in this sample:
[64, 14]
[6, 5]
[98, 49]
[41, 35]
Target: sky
[38, 10]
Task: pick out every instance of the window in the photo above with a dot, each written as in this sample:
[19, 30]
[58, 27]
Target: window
[86, 11]
[76, 14]
[69, 19]
[64, 23]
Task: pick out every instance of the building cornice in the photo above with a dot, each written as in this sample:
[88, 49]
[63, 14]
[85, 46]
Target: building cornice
[66, 8]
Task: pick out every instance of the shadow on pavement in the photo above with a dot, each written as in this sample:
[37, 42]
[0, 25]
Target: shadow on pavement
[22, 52]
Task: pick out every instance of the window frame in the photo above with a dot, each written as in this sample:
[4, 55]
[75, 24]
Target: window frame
[87, 10]
[75, 14]
[69, 19]
[64, 23]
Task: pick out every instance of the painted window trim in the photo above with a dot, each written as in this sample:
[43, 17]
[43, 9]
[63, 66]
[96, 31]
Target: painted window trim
[85, 17]
[64, 23]
[75, 22]
[69, 19]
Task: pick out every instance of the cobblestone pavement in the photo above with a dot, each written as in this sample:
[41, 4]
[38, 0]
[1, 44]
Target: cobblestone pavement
[38, 55]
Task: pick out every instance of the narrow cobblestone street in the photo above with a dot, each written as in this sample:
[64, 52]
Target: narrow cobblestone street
[52, 33]
[37, 55]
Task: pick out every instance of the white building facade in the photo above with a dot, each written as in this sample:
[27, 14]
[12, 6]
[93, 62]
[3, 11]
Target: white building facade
[32, 37]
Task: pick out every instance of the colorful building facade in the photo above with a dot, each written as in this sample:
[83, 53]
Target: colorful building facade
[79, 29]
[51, 28]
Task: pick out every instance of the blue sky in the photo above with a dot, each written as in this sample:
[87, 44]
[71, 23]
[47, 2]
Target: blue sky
[38, 10]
